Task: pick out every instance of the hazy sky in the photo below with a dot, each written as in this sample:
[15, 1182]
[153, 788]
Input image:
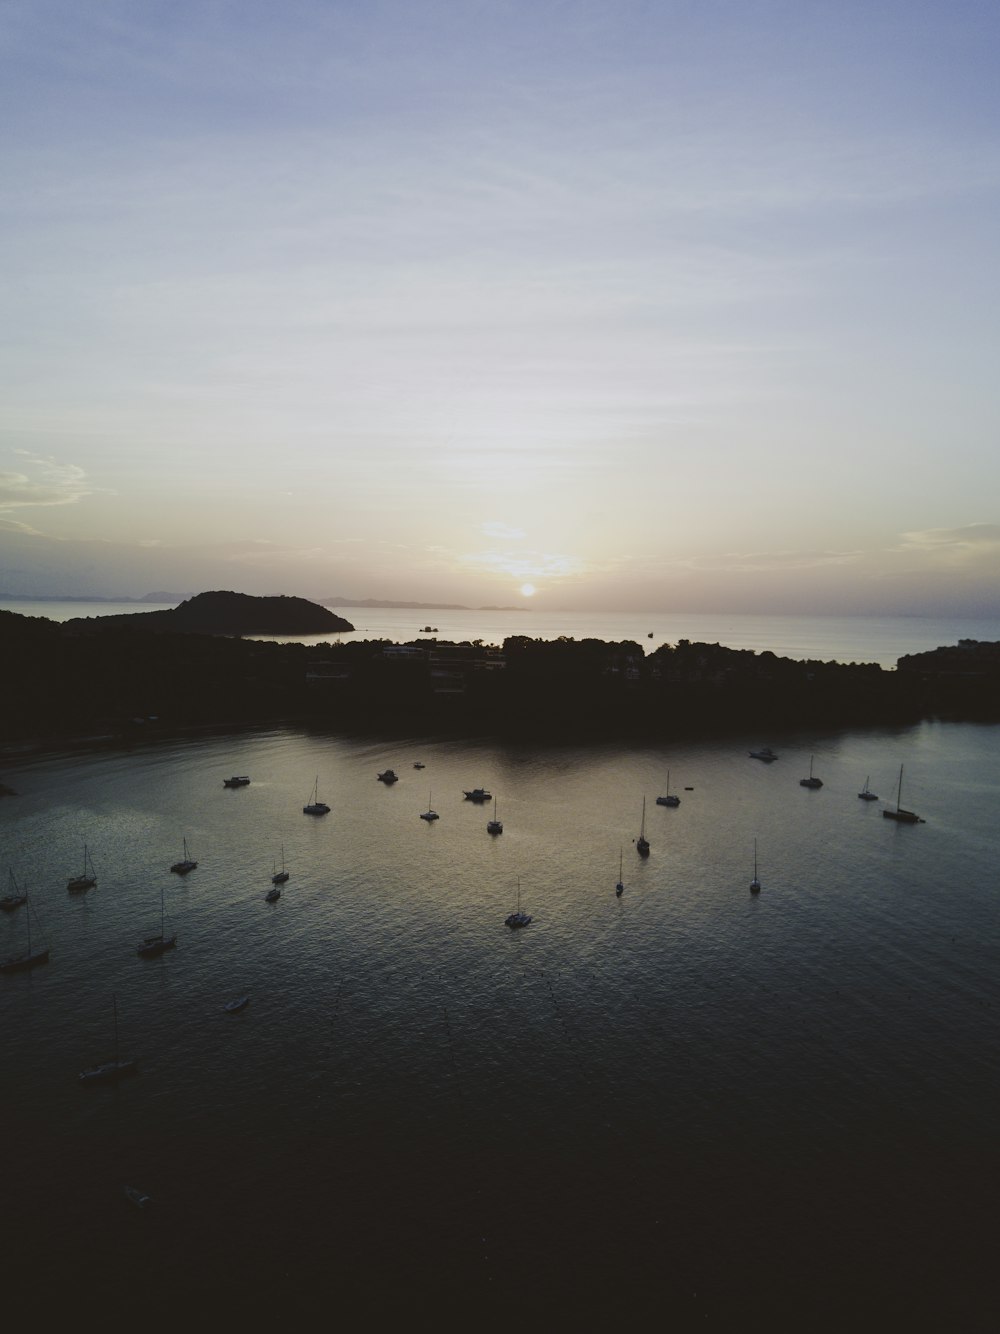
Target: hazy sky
[666, 304]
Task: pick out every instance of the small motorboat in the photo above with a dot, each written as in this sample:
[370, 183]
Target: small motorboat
[388, 776]
[233, 1006]
[272, 895]
[137, 1197]
[236, 781]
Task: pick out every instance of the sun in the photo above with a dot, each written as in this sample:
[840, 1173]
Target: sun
[527, 590]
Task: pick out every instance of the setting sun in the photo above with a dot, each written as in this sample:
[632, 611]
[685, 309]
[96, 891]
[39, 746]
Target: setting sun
[527, 590]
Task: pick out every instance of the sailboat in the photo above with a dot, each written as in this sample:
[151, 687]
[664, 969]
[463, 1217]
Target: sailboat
[110, 1071]
[811, 781]
[755, 883]
[19, 962]
[668, 800]
[494, 826]
[151, 946]
[866, 794]
[281, 876]
[430, 814]
[88, 879]
[316, 807]
[16, 897]
[620, 887]
[900, 814]
[185, 864]
[517, 917]
[641, 843]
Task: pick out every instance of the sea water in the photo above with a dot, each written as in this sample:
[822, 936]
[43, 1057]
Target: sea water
[733, 1110]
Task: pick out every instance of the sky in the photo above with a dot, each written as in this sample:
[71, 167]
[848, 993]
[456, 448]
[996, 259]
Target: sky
[678, 305]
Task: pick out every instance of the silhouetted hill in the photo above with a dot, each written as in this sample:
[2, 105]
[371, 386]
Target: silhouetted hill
[225, 613]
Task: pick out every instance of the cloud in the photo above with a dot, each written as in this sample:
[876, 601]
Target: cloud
[972, 538]
[758, 562]
[532, 564]
[15, 526]
[47, 483]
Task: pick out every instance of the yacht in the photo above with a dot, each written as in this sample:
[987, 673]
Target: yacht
[185, 864]
[316, 807]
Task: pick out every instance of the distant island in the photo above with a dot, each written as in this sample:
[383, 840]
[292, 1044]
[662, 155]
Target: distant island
[160, 596]
[224, 613]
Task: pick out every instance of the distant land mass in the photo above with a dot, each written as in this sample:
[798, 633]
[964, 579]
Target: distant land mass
[208, 663]
[225, 613]
[396, 603]
[159, 596]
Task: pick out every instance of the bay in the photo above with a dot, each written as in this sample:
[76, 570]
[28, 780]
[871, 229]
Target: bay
[745, 1109]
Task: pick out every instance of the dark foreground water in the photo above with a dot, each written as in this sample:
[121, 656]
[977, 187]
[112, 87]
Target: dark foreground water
[686, 1106]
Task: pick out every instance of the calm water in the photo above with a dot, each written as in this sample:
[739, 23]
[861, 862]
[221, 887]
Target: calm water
[824, 638]
[748, 1110]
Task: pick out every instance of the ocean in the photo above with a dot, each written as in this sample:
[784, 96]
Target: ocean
[731, 1111]
[822, 638]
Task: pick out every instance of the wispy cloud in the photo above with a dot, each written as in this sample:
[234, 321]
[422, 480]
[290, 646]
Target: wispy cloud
[46, 482]
[973, 537]
[759, 562]
[531, 564]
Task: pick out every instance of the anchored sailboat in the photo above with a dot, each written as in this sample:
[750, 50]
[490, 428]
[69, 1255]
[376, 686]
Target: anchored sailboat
[430, 814]
[151, 946]
[517, 917]
[620, 887]
[668, 799]
[87, 880]
[315, 807]
[111, 1071]
[185, 864]
[900, 814]
[811, 781]
[281, 876]
[641, 843]
[755, 883]
[494, 826]
[17, 895]
[30, 957]
[866, 794]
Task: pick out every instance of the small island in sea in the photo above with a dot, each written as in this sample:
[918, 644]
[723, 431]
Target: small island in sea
[225, 613]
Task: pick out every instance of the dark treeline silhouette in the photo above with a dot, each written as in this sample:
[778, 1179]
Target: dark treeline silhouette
[59, 681]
